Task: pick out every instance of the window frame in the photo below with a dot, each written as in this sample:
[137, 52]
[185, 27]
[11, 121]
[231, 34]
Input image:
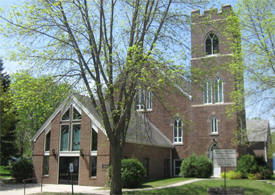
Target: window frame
[90, 171]
[174, 167]
[144, 105]
[214, 126]
[178, 129]
[71, 135]
[206, 88]
[43, 166]
[208, 37]
[64, 124]
[45, 143]
[218, 91]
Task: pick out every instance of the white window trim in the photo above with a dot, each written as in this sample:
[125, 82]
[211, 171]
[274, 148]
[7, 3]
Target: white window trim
[174, 167]
[216, 125]
[69, 153]
[177, 138]
[207, 93]
[145, 106]
[218, 92]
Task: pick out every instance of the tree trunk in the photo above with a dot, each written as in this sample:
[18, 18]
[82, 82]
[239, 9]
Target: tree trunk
[116, 168]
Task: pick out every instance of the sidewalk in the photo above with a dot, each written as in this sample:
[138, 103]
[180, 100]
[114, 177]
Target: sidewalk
[18, 189]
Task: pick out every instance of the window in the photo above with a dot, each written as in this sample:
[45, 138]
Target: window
[76, 137]
[143, 98]
[93, 164]
[214, 125]
[66, 115]
[218, 90]
[178, 131]
[146, 166]
[70, 130]
[48, 141]
[211, 44]
[94, 140]
[177, 164]
[46, 165]
[76, 114]
[64, 146]
[207, 92]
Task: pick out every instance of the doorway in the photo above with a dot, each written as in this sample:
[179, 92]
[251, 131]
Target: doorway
[216, 168]
[64, 171]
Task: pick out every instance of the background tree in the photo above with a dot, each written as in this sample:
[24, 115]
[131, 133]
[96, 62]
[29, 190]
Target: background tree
[34, 100]
[257, 19]
[112, 47]
[7, 120]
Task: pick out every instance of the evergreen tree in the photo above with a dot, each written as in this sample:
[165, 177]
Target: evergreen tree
[7, 120]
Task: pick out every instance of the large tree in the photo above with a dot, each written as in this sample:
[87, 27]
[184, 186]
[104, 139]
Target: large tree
[113, 47]
[7, 120]
[257, 19]
[34, 99]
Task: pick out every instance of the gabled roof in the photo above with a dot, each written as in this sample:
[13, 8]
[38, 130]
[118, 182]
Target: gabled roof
[140, 130]
[257, 130]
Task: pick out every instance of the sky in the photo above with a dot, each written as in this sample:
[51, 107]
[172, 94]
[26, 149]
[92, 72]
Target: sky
[13, 66]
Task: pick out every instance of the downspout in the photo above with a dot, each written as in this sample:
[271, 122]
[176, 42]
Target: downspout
[265, 152]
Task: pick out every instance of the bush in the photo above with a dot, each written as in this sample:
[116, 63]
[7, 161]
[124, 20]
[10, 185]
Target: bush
[132, 173]
[265, 172]
[232, 175]
[196, 166]
[247, 165]
[22, 169]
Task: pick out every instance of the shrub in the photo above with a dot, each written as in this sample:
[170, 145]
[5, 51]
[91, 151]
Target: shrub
[132, 173]
[247, 165]
[265, 172]
[196, 166]
[232, 175]
[22, 169]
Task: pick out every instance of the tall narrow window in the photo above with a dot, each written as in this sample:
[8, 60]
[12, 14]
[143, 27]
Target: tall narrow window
[214, 125]
[48, 141]
[94, 140]
[64, 145]
[93, 166]
[46, 165]
[146, 166]
[143, 100]
[218, 90]
[76, 137]
[178, 131]
[207, 92]
[177, 164]
[211, 44]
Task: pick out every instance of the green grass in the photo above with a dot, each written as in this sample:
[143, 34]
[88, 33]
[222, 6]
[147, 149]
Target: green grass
[163, 182]
[5, 172]
[200, 187]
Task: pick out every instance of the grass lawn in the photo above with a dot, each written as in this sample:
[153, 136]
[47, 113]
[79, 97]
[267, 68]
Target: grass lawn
[200, 187]
[5, 172]
[163, 182]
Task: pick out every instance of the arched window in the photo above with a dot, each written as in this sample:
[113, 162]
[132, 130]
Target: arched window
[207, 92]
[218, 90]
[214, 125]
[211, 44]
[177, 131]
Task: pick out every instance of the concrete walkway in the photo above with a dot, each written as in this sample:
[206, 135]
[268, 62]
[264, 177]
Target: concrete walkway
[18, 189]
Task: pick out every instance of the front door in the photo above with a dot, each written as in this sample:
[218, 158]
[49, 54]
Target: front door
[65, 176]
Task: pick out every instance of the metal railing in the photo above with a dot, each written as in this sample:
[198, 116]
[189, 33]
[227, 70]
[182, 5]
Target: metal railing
[32, 179]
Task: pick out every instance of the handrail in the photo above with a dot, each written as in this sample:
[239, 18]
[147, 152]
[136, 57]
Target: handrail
[31, 179]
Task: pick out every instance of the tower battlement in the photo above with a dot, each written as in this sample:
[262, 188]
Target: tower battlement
[211, 14]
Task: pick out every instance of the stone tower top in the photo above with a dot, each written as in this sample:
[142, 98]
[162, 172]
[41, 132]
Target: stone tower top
[212, 14]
